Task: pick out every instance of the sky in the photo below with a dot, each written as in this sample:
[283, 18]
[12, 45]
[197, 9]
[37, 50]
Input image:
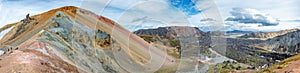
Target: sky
[208, 15]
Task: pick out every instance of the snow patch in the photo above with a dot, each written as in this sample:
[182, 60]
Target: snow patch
[4, 32]
[1, 52]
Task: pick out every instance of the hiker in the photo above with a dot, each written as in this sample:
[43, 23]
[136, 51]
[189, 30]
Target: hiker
[28, 17]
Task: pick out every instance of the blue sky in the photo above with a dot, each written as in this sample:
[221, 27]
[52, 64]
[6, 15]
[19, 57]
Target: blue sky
[251, 15]
[186, 6]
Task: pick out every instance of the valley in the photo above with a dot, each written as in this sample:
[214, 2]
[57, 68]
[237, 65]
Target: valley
[245, 54]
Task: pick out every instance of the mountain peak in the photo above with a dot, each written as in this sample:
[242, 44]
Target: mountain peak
[79, 38]
[64, 8]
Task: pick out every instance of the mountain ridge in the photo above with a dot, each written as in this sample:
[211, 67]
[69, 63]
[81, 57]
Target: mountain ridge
[268, 34]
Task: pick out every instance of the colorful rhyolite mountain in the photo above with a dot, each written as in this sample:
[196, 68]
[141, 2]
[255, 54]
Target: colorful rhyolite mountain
[71, 39]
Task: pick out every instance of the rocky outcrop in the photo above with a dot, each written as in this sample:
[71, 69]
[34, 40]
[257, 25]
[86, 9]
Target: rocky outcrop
[288, 43]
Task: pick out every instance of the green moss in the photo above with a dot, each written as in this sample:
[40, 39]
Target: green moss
[168, 70]
[174, 54]
[174, 43]
[147, 38]
[245, 36]
[225, 67]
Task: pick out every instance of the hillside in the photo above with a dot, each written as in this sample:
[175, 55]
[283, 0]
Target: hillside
[71, 39]
[287, 43]
[288, 65]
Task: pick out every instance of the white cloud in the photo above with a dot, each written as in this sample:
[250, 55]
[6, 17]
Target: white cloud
[2, 33]
[257, 27]
[152, 14]
[286, 11]
[280, 9]
[116, 8]
[248, 15]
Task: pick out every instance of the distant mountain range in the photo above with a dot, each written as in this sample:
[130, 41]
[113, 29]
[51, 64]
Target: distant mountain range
[171, 32]
[239, 32]
[268, 34]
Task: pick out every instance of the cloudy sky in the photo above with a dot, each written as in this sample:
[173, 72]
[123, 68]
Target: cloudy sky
[248, 15]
